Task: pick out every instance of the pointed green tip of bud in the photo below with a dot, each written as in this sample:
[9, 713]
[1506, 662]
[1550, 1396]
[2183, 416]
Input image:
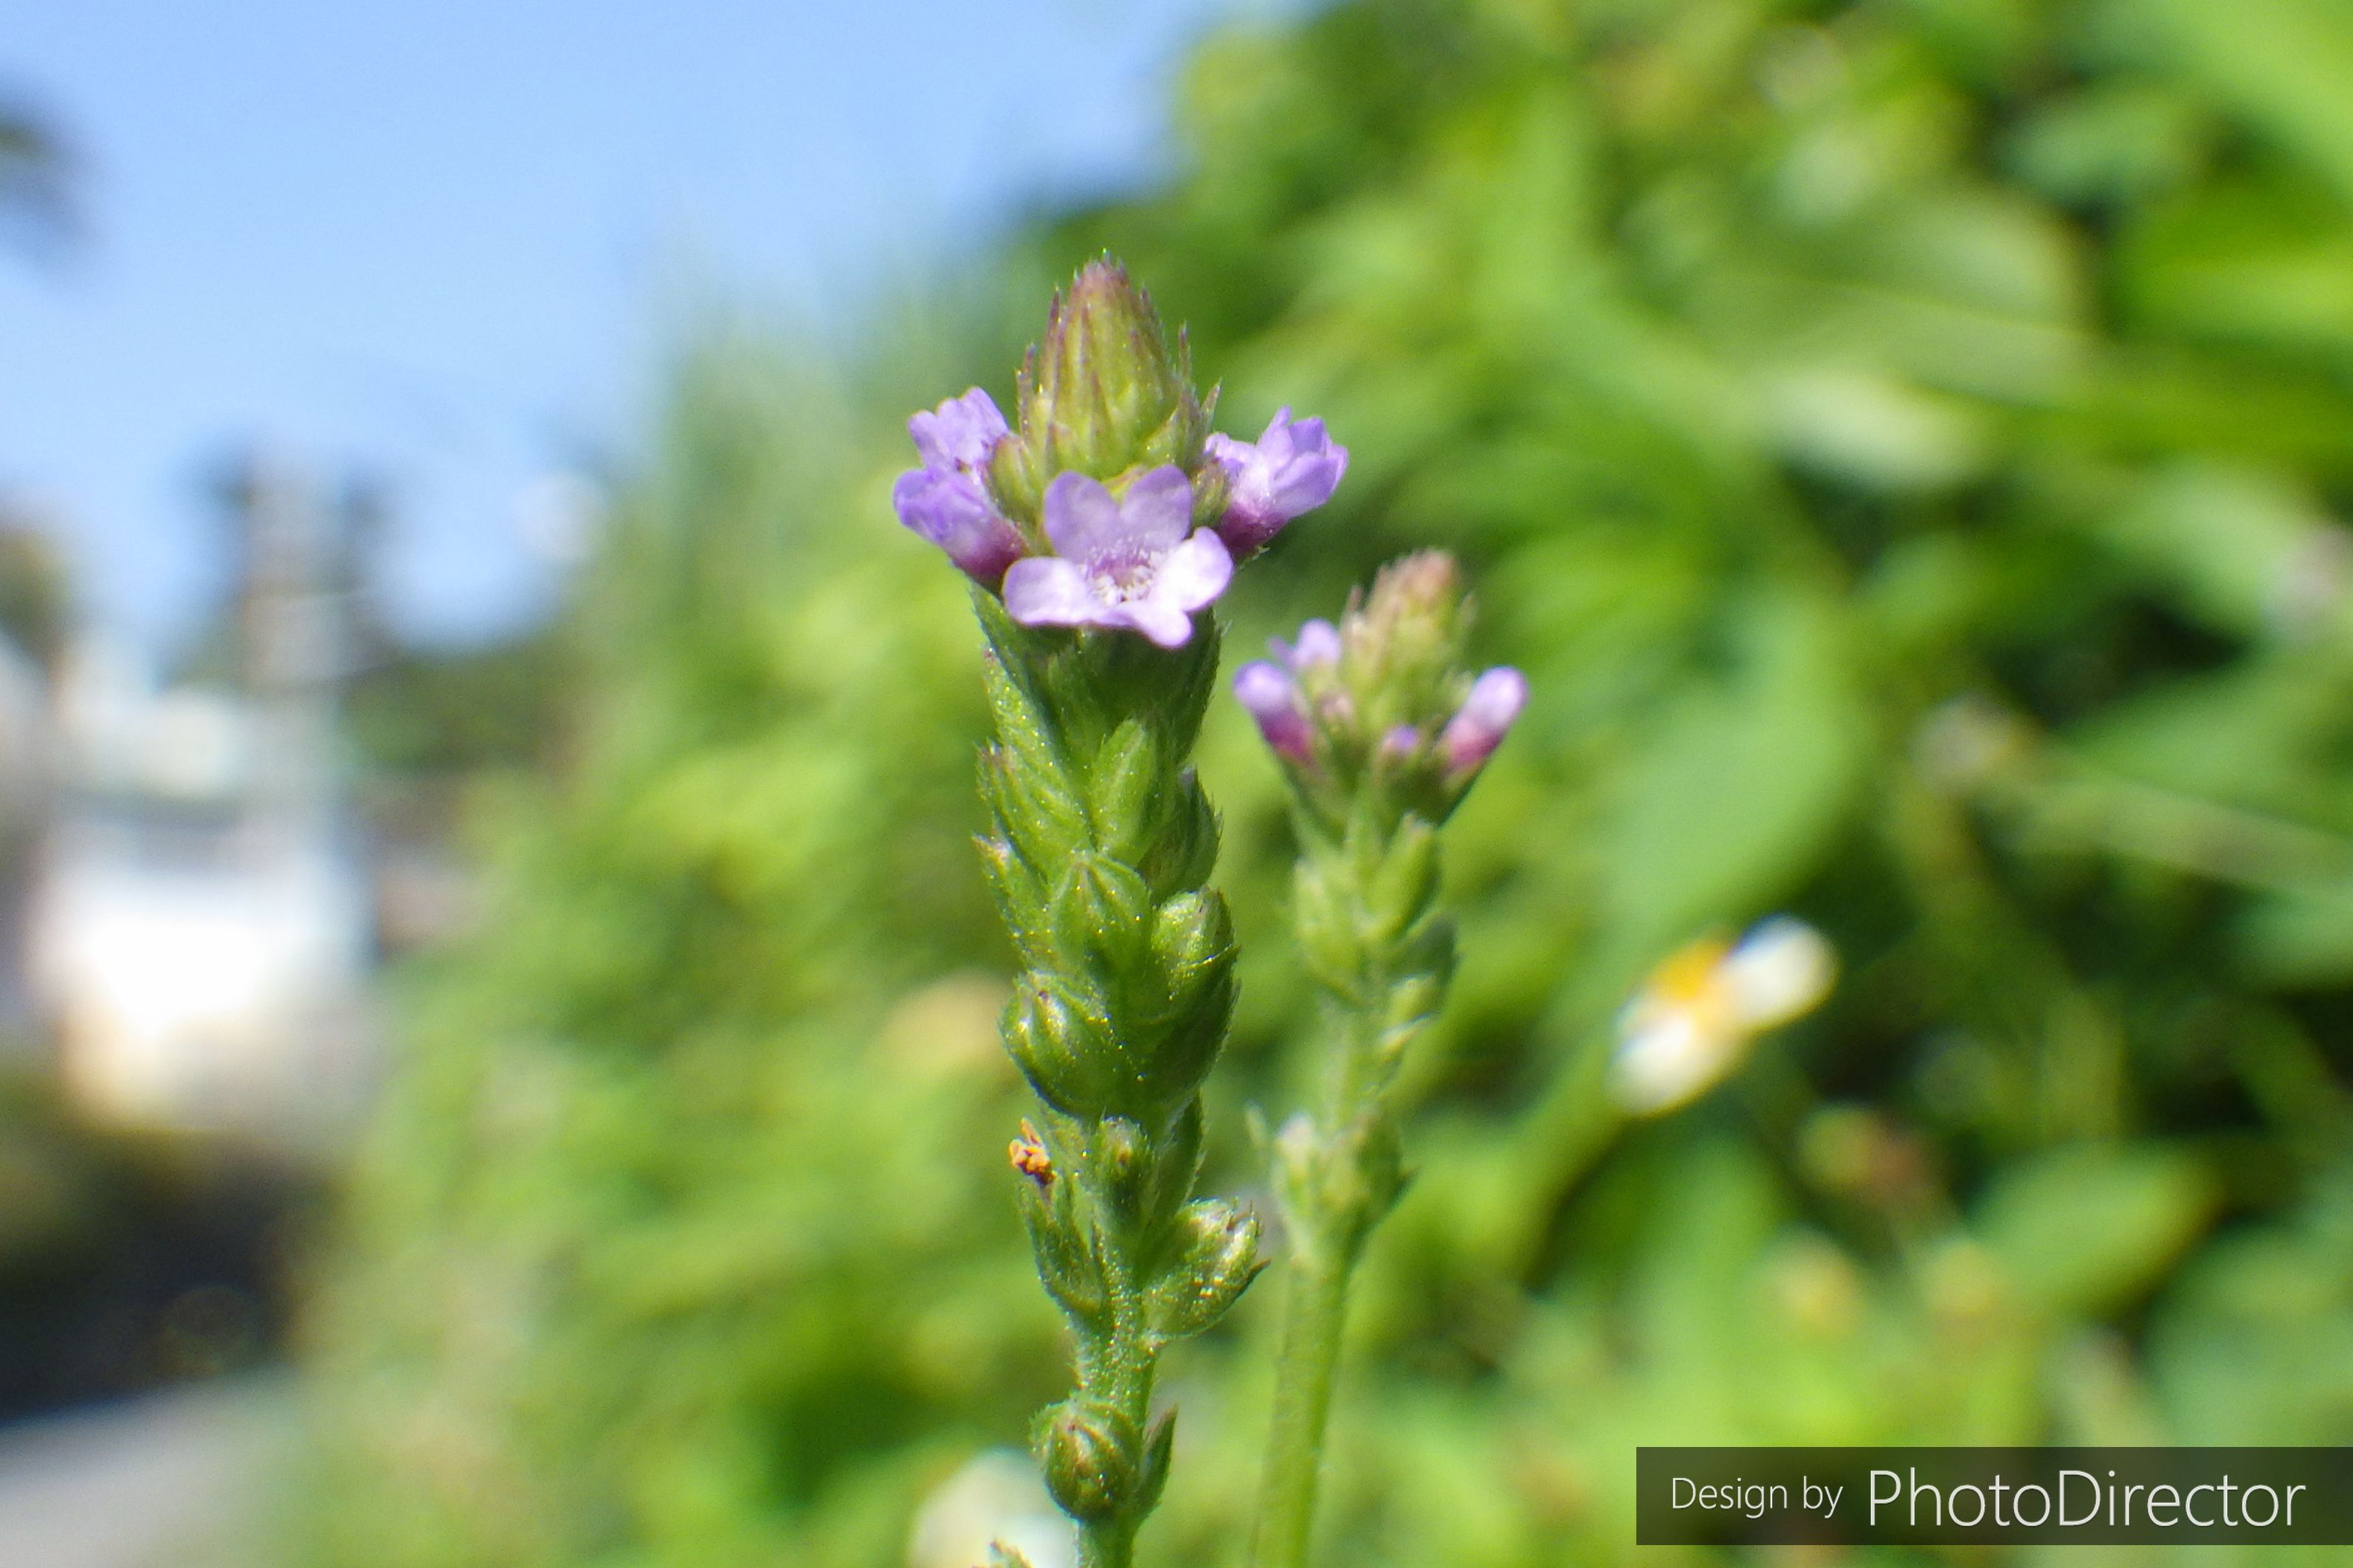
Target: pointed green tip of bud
[1405, 640]
[1105, 391]
[1417, 595]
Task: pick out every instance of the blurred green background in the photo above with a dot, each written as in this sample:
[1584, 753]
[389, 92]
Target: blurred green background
[1903, 442]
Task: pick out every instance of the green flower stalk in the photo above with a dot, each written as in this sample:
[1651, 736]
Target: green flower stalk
[1381, 731]
[1093, 537]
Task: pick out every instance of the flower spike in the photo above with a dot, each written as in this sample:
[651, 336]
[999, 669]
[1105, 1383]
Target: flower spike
[1092, 517]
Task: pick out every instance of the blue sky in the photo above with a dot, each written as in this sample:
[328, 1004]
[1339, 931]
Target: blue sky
[440, 238]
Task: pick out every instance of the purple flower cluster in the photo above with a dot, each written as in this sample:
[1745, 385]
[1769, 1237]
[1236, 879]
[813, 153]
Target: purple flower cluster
[1289, 716]
[1133, 560]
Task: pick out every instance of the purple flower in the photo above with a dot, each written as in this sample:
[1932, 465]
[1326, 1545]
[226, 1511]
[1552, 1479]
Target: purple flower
[1124, 563]
[1273, 698]
[1292, 468]
[1401, 742]
[946, 501]
[1474, 733]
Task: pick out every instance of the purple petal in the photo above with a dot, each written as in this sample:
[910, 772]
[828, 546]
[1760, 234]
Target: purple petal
[1487, 714]
[1048, 590]
[1193, 574]
[1081, 518]
[1228, 453]
[1158, 509]
[1402, 742]
[1158, 619]
[959, 433]
[1307, 481]
[1318, 643]
[952, 510]
[1271, 698]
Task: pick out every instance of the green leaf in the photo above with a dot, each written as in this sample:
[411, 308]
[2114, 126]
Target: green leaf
[2085, 1230]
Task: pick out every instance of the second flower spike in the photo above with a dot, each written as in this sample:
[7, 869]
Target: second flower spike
[1380, 705]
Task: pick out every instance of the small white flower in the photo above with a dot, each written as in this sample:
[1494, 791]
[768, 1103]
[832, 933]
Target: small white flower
[997, 1498]
[1693, 1019]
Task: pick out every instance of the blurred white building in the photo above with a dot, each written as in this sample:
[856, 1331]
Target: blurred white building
[197, 929]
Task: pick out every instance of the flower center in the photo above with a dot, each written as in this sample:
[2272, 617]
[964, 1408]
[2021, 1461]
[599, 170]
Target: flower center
[1120, 576]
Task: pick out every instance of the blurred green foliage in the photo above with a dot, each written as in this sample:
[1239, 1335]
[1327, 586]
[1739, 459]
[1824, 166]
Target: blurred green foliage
[1903, 442]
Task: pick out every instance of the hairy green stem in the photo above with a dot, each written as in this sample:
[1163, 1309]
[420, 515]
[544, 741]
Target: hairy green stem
[1117, 1372]
[1368, 922]
[1314, 1309]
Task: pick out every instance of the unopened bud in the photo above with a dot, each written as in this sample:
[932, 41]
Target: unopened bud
[1061, 1047]
[1406, 638]
[1091, 1454]
[1193, 941]
[1485, 718]
[1104, 908]
[1105, 392]
[1216, 1259]
[1122, 1161]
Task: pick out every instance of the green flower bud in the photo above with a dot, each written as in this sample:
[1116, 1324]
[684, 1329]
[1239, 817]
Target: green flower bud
[1092, 1455]
[1412, 1002]
[1129, 775]
[1042, 823]
[1104, 911]
[1061, 1045]
[1333, 1186]
[1407, 641]
[1020, 899]
[1216, 1257]
[1324, 916]
[1103, 394]
[1187, 848]
[1182, 1057]
[1016, 480]
[1070, 1267]
[1176, 1162]
[1120, 1158]
[1193, 943]
[1405, 884]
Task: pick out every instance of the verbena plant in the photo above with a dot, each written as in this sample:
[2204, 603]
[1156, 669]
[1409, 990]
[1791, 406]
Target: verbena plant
[1098, 534]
